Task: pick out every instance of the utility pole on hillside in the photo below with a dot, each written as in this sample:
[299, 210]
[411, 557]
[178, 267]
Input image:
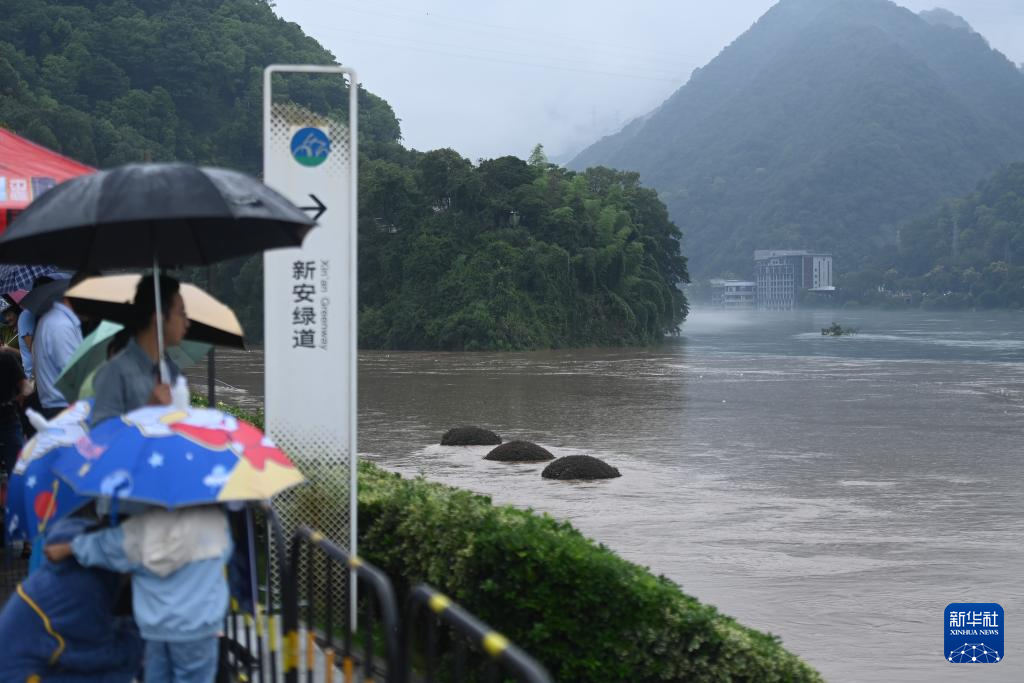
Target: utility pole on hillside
[956, 238]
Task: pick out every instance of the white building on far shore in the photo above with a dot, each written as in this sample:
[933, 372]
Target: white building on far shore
[781, 275]
[733, 295]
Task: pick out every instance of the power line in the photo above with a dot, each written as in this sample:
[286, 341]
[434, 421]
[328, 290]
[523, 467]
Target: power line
[519, 30]
[533, 35]
[527, 35]
[581, 66]
[403, 45]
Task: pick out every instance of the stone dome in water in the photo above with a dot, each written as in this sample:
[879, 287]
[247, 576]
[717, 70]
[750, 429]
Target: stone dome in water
[580, 467]
[470, 436]
[519, 451]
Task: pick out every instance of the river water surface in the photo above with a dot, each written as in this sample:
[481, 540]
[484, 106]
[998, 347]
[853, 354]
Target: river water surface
[837, 492]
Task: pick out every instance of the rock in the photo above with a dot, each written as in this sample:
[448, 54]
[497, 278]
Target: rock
[470, 436]
[580, 467]
[519, 451]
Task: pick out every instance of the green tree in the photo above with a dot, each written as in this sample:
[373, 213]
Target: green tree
[537, 156]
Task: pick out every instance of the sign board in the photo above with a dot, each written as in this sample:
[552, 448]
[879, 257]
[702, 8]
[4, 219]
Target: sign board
[310, 304]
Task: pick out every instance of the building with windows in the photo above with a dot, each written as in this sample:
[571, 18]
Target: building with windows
[733, 295]
[781, 275]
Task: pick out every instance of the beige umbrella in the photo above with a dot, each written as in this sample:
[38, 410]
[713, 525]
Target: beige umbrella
[110, 298]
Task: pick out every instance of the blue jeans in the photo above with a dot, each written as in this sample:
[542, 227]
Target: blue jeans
[193, 661]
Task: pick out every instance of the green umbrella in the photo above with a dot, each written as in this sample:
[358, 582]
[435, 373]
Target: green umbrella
[92, 353]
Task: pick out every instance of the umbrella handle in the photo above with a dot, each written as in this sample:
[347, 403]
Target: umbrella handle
[50, 508]
[164, 374]
[114, 502]
[38, 422]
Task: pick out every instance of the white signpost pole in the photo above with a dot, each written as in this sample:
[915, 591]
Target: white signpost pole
[309, 305]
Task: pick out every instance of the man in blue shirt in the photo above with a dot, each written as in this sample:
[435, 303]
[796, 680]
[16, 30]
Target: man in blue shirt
[26, 324]
[58, 334]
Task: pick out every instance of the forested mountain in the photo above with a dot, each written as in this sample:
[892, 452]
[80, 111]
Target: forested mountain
[967, 252]
[501, 255]
[823, 126]
[113, 81]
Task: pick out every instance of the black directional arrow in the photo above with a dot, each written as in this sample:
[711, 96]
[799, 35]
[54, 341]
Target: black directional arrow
[319, 208]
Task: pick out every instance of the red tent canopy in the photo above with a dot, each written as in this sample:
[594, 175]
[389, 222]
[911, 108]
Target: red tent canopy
[27, 170]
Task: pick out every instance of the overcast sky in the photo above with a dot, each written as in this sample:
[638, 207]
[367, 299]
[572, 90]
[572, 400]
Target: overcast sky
[495, 77]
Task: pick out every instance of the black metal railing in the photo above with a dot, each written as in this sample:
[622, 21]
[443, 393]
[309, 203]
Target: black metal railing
[319, 568]
[250, 644]
[496, 655]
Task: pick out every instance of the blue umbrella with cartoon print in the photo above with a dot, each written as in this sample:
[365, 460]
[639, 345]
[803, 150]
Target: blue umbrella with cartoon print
[35, 496]
[173, 457]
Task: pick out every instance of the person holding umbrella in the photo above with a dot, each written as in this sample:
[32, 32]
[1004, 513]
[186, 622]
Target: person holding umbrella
[132, 378]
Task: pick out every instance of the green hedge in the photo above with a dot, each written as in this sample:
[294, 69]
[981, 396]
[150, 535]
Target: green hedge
[255, 417]
[585, 613]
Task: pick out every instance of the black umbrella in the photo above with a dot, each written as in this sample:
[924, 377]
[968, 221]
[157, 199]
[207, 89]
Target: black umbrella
[125, 217]
[153, 214]
[42, 298]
